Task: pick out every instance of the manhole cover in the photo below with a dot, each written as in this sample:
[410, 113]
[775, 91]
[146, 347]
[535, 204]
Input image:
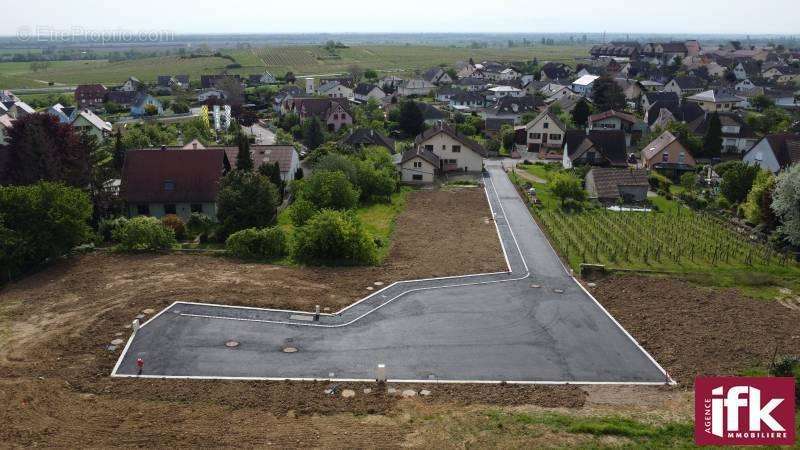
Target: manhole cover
[289, 350]
[232, 344]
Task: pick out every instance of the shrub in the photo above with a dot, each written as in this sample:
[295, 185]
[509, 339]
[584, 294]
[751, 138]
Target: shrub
[245, 200]
[106, 227]
[334, 237]
[330, 190]
[175, 223]
[301, 211]
[199, 223]
[254, 243]
[658, 181]
[38, 222]
[144, 233]
[737, 181]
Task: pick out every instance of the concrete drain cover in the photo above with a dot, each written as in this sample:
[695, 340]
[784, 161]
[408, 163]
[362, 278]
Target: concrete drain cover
[289, 350]
[558, 291]
[232, 344]
[370, 288]
[536, 286]
[378, 283]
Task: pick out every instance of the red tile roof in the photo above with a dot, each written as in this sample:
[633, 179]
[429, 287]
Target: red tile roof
[194, 175]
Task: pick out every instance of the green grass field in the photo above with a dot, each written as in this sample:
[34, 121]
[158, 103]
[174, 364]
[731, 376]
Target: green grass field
[302, 60]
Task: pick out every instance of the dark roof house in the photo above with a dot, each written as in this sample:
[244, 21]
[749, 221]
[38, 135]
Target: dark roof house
[608, 184]
[364, 137]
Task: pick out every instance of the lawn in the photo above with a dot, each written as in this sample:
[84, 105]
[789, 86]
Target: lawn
[378, 219]
[673, 239]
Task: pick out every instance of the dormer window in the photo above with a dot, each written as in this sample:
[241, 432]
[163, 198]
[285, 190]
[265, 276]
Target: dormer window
[545, 125]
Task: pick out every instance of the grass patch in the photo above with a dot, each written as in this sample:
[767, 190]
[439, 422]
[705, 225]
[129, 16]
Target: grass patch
[638, 434]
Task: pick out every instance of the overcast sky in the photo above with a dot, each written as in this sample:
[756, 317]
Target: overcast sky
[310, 16]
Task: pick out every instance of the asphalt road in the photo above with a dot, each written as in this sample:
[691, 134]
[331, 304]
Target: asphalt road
[533, 323]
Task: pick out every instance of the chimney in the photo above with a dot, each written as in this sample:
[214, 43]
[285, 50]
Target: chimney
[163, 147]
[194, 145]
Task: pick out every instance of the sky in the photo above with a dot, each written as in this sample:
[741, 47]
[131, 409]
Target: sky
[415, 16]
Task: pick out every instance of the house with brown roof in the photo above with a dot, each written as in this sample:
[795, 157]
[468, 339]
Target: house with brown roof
[685, 85]
[595, 148]
[90, 95]
[157, 182]
[365, 137]
[455, 151]
[633, 127]
[546, 134]
[418, 166]
[668, 155]
[737, 136]
[333, 112]
[717, 100]
[610, 185]
[285, 155]
[775, 152]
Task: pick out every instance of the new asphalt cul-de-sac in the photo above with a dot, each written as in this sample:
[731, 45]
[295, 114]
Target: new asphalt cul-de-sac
[534, 323]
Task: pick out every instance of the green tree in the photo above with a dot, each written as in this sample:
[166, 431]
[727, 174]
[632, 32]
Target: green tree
[245, 200]
[508, 137]
[761, 102]
[244, 159]
[737, 181]
[336, 238]
[259, 244]
[313, 135]
[331, 190]
[689, 181]
[567, 187]
[607, 94]
[144, 233]
[411, 120]
[786, 203]
[39, 222]
[333, 162]
[757, 208]
[712, 141]
[119, 152]
[581, 113]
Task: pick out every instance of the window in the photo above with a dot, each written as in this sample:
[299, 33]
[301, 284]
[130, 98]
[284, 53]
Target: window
[451, 161]
[429, 148]
[416, 177]
[555, 137]
[169, 208]
[169, 185]
[536, 135]
[444, 147]
[681, 157]
[417, 164]
[456, 149]
[546, 125]
[759, 156]
[196, 208]
[143, 210]
[665, 157]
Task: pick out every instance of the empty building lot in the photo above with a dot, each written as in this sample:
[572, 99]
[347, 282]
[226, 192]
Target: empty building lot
[532, 323]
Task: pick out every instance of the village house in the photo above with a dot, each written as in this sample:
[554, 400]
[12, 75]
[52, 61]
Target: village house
[782, 74]
[455, 151]
[365, 91]
[6, 123]
[737, 136]
[390, 82]
[464, 101]
[632, 126]
[775, 152]
[19, 110]
[65, 114]
[366, 137]
[90, 123]
[143, 103]
[665, 98]
[552, 71]
[685, 85]
[333, 112]
[285, 155]
[211, 81]
[418, 87]
[716, 100]
[472, 84]
[445, 93]
[584, 84]
[745, 69]
[437, 76]
[90, 95]
[122, 98]
[181, 182]
[667, 155]
[512, 108]
[132, 84]
[504, 91]
[261, 79]
[418, 166]
[430, 114]
[545, 134]
[610, 185]
[334, 89]
[595, 148]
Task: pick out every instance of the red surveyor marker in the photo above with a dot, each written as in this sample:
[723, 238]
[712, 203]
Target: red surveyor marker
[140, 362]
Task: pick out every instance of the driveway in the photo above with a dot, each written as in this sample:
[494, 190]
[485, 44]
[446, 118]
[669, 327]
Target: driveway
[263, 135]
[533, 324]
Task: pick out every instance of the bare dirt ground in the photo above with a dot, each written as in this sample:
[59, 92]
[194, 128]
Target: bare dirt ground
[54, 326]
[692, 331]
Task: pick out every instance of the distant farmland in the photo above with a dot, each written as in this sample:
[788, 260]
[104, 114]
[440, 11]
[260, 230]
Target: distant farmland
[302, 60]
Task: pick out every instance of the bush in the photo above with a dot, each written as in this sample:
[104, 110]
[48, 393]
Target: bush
[334, 237]
[301, 211]
[330, 190]
[106, 227]
[38, 222]
[175, 223]
[737, 181]
[658, 182]
[144, 233]
[254, 243]
[245, 200]
[199, 223]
